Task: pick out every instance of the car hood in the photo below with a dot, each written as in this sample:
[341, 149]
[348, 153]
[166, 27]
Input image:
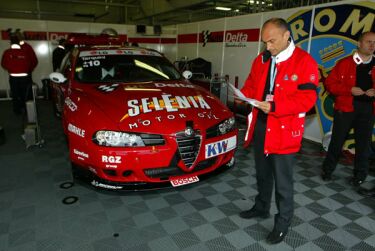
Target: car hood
[156, 107]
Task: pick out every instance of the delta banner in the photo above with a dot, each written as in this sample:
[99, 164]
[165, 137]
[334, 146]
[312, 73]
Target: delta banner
[334, 34]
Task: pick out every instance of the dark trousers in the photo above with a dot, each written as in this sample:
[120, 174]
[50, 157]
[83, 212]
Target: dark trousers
[278, 169]
[362, 120]
[21, 91]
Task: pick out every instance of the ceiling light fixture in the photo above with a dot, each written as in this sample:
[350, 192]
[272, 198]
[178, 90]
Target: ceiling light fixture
[222, 8]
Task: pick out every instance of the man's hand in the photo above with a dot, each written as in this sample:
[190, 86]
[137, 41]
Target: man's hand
[356, 91]
[370, 92]
[265, 106]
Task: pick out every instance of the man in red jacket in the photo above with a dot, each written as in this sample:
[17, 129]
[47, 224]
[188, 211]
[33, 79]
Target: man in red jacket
[283, 79]
[30, 51]
[352, 83]
[17, 62]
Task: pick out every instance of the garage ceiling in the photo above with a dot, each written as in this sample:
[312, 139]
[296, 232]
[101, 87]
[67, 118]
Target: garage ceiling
[147, 12]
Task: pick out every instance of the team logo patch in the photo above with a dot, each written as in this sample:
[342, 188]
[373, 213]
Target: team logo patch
[294, 77]
[286, 77]
[107, 88]
[312, 77]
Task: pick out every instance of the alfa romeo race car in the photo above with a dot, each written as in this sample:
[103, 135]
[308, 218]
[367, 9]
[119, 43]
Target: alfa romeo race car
[134, 122]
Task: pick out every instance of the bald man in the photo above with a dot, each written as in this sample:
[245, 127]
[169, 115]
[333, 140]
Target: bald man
[283, 79]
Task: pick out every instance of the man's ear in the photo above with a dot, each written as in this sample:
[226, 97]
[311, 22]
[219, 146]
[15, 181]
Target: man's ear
[287, 35]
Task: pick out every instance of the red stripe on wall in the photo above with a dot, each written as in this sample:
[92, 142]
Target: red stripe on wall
[146, 40]
[245, 35]
[168, 40]
[187, 38]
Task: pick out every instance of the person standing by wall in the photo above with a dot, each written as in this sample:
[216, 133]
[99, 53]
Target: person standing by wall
[29, 49]
[58, 54]
[18, 63]
[284, 78]
[352, 83]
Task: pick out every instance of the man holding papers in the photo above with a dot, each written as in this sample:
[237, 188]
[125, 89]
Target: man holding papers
[284, 80]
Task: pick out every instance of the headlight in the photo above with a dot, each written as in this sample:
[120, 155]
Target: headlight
[227, 125]
[113, 138]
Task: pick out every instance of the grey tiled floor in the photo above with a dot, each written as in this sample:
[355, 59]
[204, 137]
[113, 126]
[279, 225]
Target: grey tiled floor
[203, 216]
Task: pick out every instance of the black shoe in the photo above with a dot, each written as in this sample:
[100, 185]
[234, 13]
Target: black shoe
[326, 176]
[370, 193]
[354, 181]
[253, 213]
[276, 236]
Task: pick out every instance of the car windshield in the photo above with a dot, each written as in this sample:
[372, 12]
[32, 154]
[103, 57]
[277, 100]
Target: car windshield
[123, 66]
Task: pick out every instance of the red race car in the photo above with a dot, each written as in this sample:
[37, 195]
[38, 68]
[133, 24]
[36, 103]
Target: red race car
[133, 122]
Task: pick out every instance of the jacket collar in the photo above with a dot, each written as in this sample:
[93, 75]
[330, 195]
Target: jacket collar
[285, 54]
[15, 46]
[358, 60]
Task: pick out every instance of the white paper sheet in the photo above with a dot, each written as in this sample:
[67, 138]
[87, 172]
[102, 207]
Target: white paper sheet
[239, 95]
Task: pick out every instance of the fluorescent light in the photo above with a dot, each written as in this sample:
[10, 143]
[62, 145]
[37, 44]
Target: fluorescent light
[222, 8]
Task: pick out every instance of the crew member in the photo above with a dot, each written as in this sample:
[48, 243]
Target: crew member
[58, 54]
[18, 63]
[352, 83]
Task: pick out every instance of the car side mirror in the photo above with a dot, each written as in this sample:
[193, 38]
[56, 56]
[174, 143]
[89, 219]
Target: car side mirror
[187, 74]
[57, 77]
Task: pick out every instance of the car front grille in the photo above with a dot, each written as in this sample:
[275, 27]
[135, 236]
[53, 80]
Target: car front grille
[188, 147]
[171, 171]
[152, 139]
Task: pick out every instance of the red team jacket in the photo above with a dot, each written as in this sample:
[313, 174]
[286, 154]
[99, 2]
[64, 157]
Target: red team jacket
[340, 82]
[34, 60]
[17, 60]
[294, 95]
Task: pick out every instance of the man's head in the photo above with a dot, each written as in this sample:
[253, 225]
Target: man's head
[20, 35]
[62, 41]
[366, 43]
[14, 39]
[275, 35]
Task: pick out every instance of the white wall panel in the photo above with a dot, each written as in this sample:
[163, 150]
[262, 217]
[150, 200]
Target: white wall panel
[186, 48]
[241, 47]
[212, 50]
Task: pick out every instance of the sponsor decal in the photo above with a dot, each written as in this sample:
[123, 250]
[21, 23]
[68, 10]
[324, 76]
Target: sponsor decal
[161, 85]
[220, 147]
[92, 58]
[111, 166]
[235, 39]
[111, 159]
[80, 154]
[160, 119]
[98, 184]
[206, 36]
[167, 102]
[76, 130]
[119, 52]
[184, 181]
[107, 88]
[71, 105]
